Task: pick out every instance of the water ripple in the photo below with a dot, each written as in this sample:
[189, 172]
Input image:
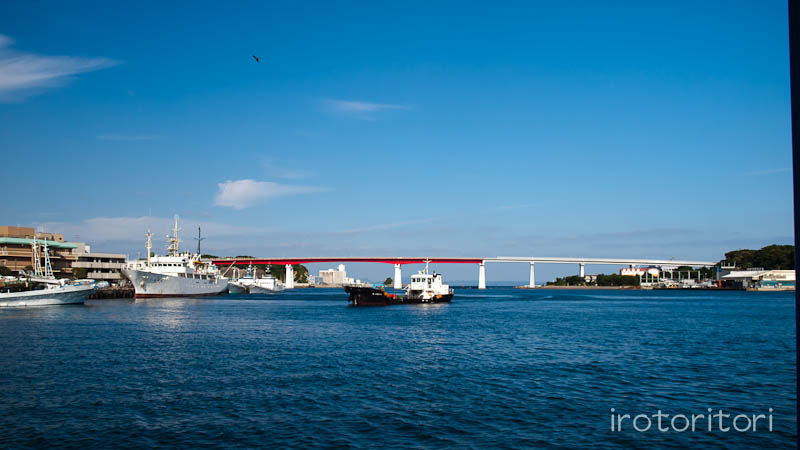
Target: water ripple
[503, 368]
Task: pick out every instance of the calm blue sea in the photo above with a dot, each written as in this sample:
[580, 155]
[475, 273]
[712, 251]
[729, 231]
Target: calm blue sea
[501, 368]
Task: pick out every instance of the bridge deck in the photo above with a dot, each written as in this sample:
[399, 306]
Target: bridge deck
[458, 260]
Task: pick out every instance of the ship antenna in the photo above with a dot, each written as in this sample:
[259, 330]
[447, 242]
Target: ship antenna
[148, 245]
[199, 239]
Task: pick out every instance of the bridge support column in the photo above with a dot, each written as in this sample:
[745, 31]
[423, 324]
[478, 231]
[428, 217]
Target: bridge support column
[583, 271]
[398, 277]
[482, 276]
[289, 277]
[532, 282]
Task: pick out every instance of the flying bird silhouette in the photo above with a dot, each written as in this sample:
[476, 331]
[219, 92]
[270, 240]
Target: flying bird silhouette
[256, 58]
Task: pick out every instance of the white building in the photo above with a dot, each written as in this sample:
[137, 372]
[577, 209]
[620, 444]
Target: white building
[639, 271]
[100, 266]
[336, 276]
[760, 279]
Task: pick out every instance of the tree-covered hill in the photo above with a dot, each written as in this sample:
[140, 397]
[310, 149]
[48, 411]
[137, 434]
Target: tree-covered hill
[773, 257]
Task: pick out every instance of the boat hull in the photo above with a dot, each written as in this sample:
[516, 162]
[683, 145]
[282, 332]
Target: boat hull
[367, 296]
[67, 295]
[154, 285]
[260, 285]
[234, 288]
[256, 289]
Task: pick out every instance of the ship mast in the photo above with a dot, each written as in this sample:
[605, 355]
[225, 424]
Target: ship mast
[48, 268]
[173, 240]
[198, 239]
[37, 264]
[38, 271]
[149, 246]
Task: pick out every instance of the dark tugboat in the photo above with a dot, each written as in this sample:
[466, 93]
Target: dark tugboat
[424, 288]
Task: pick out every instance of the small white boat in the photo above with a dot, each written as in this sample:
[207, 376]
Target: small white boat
[254, 285]
[63, 293]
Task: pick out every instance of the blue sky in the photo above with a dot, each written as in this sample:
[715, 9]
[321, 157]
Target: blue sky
[463, 129]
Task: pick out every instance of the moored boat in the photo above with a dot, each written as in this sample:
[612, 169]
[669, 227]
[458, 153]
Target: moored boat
[234, 288]
[175, 275]
[252, 284]
[51, 294]
[41, 287]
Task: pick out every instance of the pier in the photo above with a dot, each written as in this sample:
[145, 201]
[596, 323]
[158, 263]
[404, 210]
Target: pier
[398, 262]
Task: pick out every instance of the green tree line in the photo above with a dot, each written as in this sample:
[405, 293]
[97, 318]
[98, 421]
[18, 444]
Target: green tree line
[602, 280]
[771, 257]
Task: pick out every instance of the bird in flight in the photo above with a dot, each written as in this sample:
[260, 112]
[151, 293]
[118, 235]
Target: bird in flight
[256, 58]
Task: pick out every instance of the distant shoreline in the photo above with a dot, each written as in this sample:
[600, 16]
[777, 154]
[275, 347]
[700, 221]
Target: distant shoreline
[582, 287]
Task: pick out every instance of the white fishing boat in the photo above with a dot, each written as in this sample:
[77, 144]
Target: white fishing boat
[44, 288]
[174, 275]
[258, 285]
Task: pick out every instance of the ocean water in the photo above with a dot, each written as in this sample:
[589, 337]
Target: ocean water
[501, 368]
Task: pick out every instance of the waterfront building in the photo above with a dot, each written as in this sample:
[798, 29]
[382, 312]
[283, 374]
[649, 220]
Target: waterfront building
[16, 250]
[336, 276]
[16, 253]
[100, 266]
[639, 271]
[760, 279]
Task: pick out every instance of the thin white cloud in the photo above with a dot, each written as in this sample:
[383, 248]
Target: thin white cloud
[361, 109]
[241, 194]
[386, 226]
[769, 171]
[521, 206]
[284, 172]
[23, 74]
[124, 137]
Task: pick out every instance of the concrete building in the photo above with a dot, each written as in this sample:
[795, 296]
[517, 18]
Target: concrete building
[17, 232]
[759, 279]
[333, 276]
[101, 266]
[639, 271]
[16, 250]
[16, 253]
